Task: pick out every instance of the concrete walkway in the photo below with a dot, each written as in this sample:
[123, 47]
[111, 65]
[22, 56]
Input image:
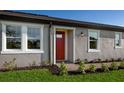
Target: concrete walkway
[74, 67]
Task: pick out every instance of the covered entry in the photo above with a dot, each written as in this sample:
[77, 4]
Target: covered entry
[63, 44]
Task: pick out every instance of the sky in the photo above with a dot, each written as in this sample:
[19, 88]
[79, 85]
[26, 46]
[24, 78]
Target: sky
[112, 17]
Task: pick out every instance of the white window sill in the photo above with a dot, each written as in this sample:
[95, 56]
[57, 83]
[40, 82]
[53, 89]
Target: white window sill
[118, 47]
[93, 50]
[20, 52]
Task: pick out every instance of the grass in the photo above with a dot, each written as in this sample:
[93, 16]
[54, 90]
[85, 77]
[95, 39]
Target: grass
[43, 75]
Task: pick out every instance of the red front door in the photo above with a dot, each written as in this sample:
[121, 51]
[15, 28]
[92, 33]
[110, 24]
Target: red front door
[60, 45]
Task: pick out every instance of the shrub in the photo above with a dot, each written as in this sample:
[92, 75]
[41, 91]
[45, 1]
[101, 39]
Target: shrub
[112, 60]
[99, 60]
[78, 60]
[114, 66]
[82, 67]
[63, 69]
[92, 61]
[54, 69]
[104, 67]
[10, 65]
[106, 60]
[122, 64]
[45, 62]
[122, 59]
[119, 59]
[85, 60]
[95, 61]
[92, 68]
[34, 63]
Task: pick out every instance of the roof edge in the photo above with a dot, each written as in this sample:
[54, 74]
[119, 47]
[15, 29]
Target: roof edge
[49, 18]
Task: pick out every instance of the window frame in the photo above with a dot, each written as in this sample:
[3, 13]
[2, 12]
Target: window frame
[98, 41]
[12, 37]
[24, 48]
[120, 38]
[41, 39]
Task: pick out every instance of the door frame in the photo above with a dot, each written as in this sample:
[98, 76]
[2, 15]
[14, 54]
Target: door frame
[66, 43]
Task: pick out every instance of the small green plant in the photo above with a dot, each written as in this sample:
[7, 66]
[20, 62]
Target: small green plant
[104, 67]
[119, 59]
[99, 60]
[10, 65]
[78, 60]
[34, 63]
[114, 66]
[92, 68]
[82, 67]
[45, 62]
[107, 60]
[85, 61]
[112, 60]
[122, 64]
[63, 69]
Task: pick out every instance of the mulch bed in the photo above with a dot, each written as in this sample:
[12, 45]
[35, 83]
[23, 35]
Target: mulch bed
[98, 62]
[53, 68]
[98, 70]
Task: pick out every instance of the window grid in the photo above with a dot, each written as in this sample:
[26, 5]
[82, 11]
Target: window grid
[13, 38]
[93, 40]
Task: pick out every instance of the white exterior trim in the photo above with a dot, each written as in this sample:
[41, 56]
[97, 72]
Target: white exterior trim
[24, 38]
[20, 52]
[93, 50]
[66, 45]
[54, 60]
[3, 38]
[66, 42]
[98, 44]
[24, 48]
[51, 46]
[64, 27]
[74, 45]
[120, 40]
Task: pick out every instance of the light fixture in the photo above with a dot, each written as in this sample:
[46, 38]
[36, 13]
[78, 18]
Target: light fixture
[82, 34]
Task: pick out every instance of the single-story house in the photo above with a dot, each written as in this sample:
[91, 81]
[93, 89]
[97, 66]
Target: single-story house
[32, 37]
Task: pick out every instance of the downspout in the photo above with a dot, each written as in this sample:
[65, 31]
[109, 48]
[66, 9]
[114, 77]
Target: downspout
[50, 43]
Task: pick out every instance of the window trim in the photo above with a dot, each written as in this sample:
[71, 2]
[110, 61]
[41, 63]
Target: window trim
[24, 48]
[98, 44]
[120, 40]
[12, 37]
[34, 39]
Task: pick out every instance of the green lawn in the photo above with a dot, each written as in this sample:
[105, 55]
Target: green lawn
[41, 75]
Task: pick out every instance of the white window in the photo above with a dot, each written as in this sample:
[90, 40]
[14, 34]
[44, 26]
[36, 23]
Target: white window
[21, 37]
[13, 37]
[118, 37]
[33, 35]
[93, 40]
